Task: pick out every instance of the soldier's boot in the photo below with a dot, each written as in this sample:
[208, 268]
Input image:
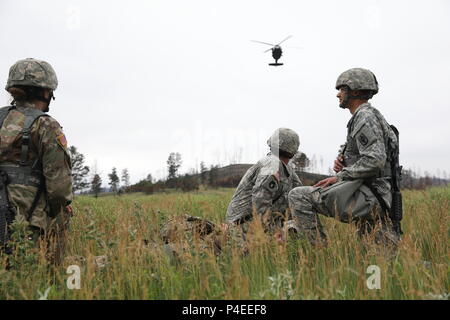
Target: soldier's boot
[365, 228]
[386, 235]
[306, 218]
[292, 230]
[382, 233]
[315, 234]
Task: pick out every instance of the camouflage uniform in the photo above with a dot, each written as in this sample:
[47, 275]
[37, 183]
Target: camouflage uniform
[47, 155]
[181, 232]
[365, 158]
[265, 186]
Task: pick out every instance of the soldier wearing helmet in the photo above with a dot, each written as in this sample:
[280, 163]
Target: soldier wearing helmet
[264, 188]
[360, 192]
[33, 156]
[262, 191]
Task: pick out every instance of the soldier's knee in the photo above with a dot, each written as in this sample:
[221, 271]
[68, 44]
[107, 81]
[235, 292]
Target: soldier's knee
[299, 194]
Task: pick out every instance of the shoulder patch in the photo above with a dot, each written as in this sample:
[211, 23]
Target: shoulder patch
[272, 185]
[363, 139]
[61, 139]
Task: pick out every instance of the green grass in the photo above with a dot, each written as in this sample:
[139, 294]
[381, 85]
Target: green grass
[126, 230]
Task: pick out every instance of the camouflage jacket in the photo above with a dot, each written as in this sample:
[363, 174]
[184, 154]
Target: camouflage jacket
[49, 146]
[264, 188]
[365, 152]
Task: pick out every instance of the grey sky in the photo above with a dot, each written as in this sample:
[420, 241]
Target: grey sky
[140, 79]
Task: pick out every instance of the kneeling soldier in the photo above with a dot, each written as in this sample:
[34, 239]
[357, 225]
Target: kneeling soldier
[361, 190]
[263, 190]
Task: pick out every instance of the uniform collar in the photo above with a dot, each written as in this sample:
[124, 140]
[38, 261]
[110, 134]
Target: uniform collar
[286, 168]
[25, 104]
[362, 106]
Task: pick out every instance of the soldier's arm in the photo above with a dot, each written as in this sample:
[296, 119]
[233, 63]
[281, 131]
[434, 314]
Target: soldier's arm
[296, 181]
[56, 164]
[371, 147]
[338, 164]
[263, 193]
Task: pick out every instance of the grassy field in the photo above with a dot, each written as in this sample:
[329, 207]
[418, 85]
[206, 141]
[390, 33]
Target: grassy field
[115, 242]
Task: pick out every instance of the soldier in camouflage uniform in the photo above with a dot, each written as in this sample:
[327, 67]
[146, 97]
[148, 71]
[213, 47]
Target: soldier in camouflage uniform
[362, 165]
[264, 188]
[181, 233]
[34, 155]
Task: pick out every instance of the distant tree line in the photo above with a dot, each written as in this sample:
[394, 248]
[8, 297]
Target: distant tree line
[86, 180]
[411, 180]
[207, 177]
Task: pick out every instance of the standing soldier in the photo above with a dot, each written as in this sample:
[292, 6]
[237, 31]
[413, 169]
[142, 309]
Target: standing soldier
[34, 161]
[361, 190]
[264, 188]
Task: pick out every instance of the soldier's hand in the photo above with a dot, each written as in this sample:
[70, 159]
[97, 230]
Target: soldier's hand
[338, 164]
[326, 182]
[69, 210]
[279, 238]
[224, 227]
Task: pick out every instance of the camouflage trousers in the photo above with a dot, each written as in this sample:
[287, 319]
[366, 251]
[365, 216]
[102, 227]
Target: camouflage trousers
[347, 201]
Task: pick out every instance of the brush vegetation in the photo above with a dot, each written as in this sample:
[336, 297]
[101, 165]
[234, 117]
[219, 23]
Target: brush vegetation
[115, 242]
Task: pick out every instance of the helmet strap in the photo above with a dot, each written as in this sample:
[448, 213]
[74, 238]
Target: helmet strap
[346, 100]
[47, 100]
[348, 97]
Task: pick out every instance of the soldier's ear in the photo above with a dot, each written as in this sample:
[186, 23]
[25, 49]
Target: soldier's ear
[355, 93]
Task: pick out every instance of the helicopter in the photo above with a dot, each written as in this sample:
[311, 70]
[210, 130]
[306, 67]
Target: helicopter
[276, 51]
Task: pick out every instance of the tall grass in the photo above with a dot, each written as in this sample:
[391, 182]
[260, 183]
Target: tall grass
[116, 243]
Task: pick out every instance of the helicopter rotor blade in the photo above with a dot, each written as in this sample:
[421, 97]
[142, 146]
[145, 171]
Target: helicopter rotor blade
[263, 43]
[268, 50]
[284, 40]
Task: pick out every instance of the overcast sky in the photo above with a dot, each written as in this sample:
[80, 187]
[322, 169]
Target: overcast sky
[141, 79]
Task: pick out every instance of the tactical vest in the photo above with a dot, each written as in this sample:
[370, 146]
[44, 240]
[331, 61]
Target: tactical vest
[25, 172]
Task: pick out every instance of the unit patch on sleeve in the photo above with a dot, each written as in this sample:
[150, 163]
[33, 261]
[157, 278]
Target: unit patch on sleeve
[363, 139]
[61, 139]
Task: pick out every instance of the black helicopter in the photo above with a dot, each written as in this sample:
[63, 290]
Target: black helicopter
[276, 51]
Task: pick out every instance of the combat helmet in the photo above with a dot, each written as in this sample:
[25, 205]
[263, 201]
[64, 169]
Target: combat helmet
[32, 72]
[284, 139]
[358, 79]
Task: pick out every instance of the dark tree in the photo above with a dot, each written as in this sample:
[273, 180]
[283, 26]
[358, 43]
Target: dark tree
[79, 170]
[173, 164]
[113, 180]
[125, 178]
[189, 182]
[213, 176]
[203, 173]
[96, 185]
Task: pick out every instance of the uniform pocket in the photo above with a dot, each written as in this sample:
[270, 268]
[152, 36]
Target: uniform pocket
[340, 198]
[368, 195]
